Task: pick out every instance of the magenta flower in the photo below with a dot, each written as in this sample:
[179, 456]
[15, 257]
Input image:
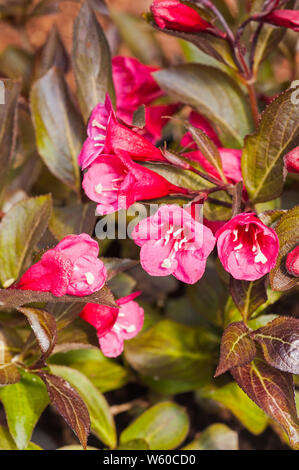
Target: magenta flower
[198, 121]
[134, 86]
[230, 159]
[286, 18]
[108, 136]
[172, 14]
[247, 248]
[114, 326]
[117, 182]
[72, 267]
[291, 161]
[173, 242]
[292, 262]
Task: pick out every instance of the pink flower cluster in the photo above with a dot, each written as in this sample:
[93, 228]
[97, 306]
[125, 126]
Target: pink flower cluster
[115, 325]
[113, 178]
[247, 248]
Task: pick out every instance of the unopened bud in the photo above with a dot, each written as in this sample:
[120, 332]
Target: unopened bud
[291, 161]
[292, 263]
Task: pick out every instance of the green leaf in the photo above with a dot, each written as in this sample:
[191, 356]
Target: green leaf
[135, 444]
[43, 325]
[17, 64]
[73, 218]
[69, 404]
[271, 217]
[105, 374]
[233, 398]
[58, 127]
[212, 93]
[287, 230]
[267, 42]
[163, 426]
[10, 345]
[23, 402]
[280, 342]
[262, 158]
[184, 178]
[195, 55]
[208, 296]
[237, 348]
[172, 351]
[8, 122]
[101, 420]
[273, 391]
[20, 230]
[214, 47]
[217, 436]
[7, 443]
[139, 37]
[208, 149]
[52, 54]
[248, 295]
[91, 61]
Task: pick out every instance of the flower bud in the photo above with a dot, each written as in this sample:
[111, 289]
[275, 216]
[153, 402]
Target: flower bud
[292, 263]
[291, 161]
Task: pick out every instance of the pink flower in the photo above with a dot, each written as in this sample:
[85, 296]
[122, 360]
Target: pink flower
[292, 263]
[134, 85]
[199, 122]
[172, 242]
[114, 326]
[286, 18]
[291, 161]
[107, 135]
[72, 267]
[247, 248]
[172, 14]
[231, 163]
[117, 182]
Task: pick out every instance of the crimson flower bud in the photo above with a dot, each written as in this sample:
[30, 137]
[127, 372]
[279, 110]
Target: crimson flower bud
[172, 14]
[291, 161]
[292, 263]
[286, 18]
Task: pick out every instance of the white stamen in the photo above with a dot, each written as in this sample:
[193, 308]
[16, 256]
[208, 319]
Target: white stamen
[89, 278]
[98, 188]
[8, 283]
[117, 179]
[260, 258]
[176, 246]
[235, 232]
[116, 327]
[121, 314]
[98, 124]
[254, 248]
[131, 329]
[99, 145]
[180, 230]
[246, 227]
[166, 263]
[184, 240]
[99, 137]
[238, 247]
